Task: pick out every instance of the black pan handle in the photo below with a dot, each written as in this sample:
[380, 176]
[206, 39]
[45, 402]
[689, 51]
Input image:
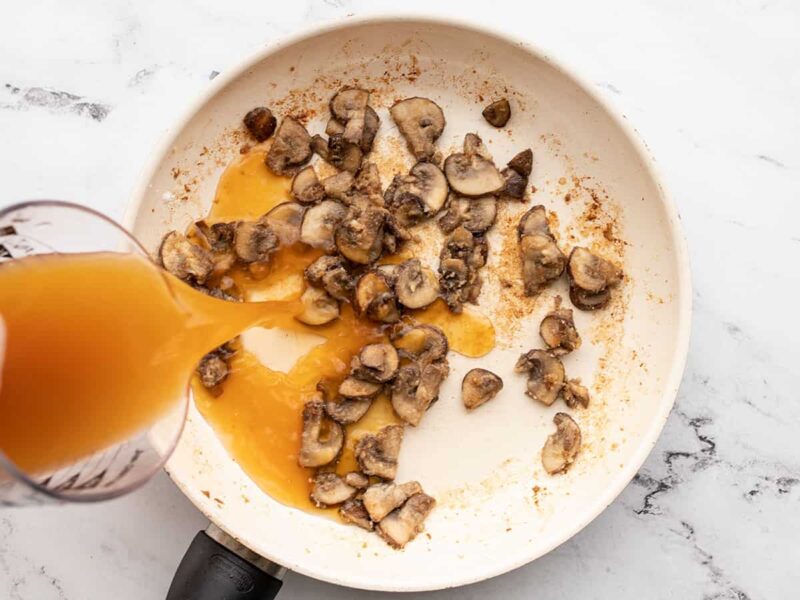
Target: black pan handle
[220, 568]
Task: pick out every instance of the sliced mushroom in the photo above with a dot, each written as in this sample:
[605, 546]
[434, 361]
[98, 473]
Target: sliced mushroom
[388, 272]
[478, 387]
[329, 273]
[575, 394]
[561, 447]
[319, 146]
[344, 155]
[375, 298]
[542, 262]
[418, 195]
[376, 362]
[183, 259]
[591, 273]
[285, 220]
[534, 222]
[584, 300]
[353, 511]
[355, 388]
[416, 387]
[371, 124]
[219, 236]
[424, 343]
[347, 410]
[522, 163]
[322, 438]
[473, 144]
[382, 498]
[497, 113]
[368, 183]
[421, 122]
[213, 369]
[515, 184]
[349, 107]
[260, 122]
[417, 286]
[476, 215]
[306, 187]
[403, 524]
[338, 186]
[559, 333]
[394, 234]
[254, 241]
[319, 223]
[333, 127]
[359, 237]
[454, 278]
[357, 480]
[319, 307]
[472, 175]
[328, 489]
[377, 453]
[461, 257]
[290, 149]
[545, 375]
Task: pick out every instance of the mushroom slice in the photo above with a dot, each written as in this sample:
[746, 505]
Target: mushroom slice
[219, 236]
[403, 524]
[377, 453]
[375, 298]
[322, 438]
[454, 277]
[545, 375]
[306, 187]
[534, 222]
[290, 148]
[319, 307]
[561, 447]
[478, 387]
[213, 369]
[382, 498]
[338, 186]
[328, 489]
[472, 175]
[344, 155]
[497, 113]
[371, 124]
[419, 194]
[347, 410]
[319, 146]
[357, 480]
[421, 122]
[359, 237]
[575, 394]
[424, 343]
[333, 127]
[353, 511]
[260, 122]
[515, 184]
[416, 387]
[329, 273]
[416, 286]
[522, 163]
[476, 215]
[558, 332]
[319, 223]
[473, 144]
[183, 259]
[349, 107]
[376, 362]
[254, 241]
[584, 300]
[591, 273]
[285, 220]
[368, 183]
[542, 262]
[355, 388]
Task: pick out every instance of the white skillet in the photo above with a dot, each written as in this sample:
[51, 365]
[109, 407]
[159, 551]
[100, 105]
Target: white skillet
[497, 509]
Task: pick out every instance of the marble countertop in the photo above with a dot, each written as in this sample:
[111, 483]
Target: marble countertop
[88, 87]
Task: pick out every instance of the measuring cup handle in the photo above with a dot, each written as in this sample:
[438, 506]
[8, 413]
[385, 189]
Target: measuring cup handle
[213, 571]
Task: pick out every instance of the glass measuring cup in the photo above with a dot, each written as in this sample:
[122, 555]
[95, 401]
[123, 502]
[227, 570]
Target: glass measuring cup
[46, 227]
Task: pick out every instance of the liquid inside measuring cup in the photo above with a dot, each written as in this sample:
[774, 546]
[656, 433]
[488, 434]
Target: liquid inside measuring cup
[99, 347]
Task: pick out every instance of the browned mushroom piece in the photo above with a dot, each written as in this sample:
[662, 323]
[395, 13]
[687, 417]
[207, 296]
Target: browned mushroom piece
[319, 307]
[322, 437]
[290, 149]
[561, 447]
[473, 144]
[285, 220]
[319, 223]
[254, 241]
[377, 453]
[421, 122]
[416, 387]
[306, 187]
[359, 237]
[376, 362]
[404, 524]
[418, 195]
[353, 511]
[338, 186]
[356, 480]
[218, 236]
[371, 124]
[319, 146]
[329, 272]
[261, 123]
[375, 298]
[333, 127]
[515, 184]
[472, 175]
[591, 273]
[394, 234]
[344, 155]
[423, 343]
[559, 333]
[542, 262]
[575, 394]
[417, 286]
[474, 214]
[356, 389]
[534, 222]
[545, 375]
[347, 410]
[213, 369]
[522, 163]
[183, 259]
[584, 300]
[382, 498]
[462, 255]
[478, 387]
[497, 113]
[349, 107]
[328, 489]
[368, 183]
